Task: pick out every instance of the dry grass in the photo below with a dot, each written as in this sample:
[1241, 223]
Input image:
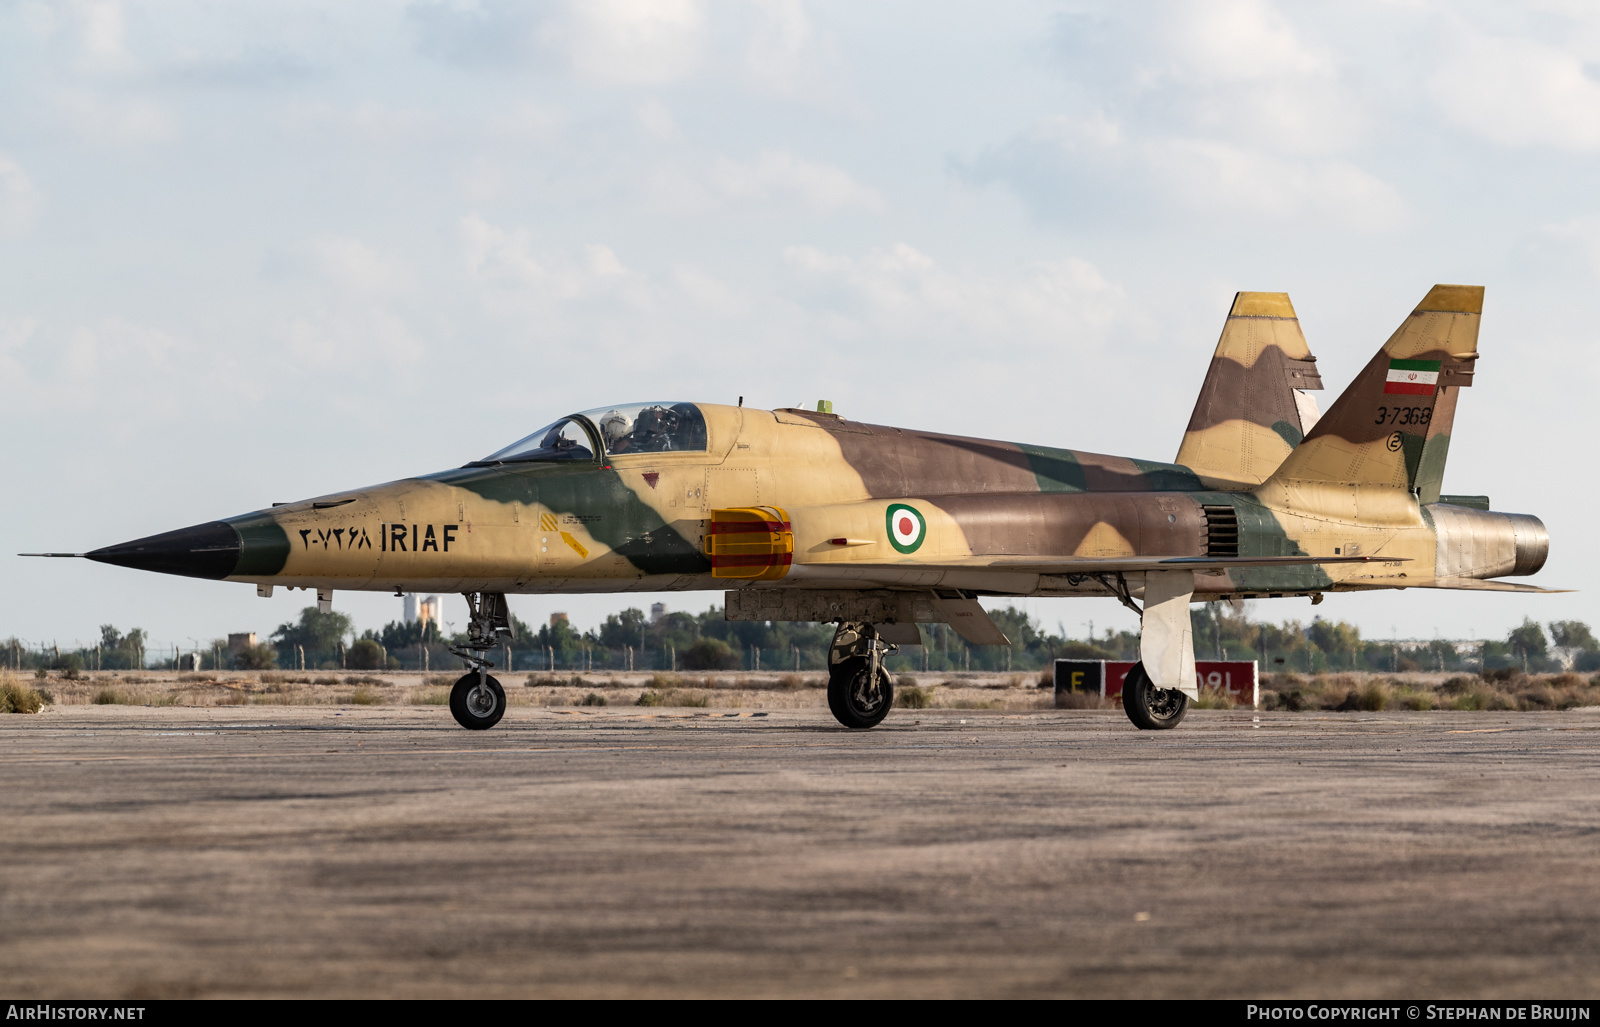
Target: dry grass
[1214, 699]
[16, 697]
[911, 696]
[429, 697]
[672, 697]
[1497, 690]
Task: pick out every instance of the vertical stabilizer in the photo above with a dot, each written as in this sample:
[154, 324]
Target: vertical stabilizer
[1255, 405]
[1388, 434]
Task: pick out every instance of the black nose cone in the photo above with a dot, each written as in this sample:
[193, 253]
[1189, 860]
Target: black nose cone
[203, 551]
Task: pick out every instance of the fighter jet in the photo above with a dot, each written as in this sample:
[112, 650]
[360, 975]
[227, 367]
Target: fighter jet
[807, 515]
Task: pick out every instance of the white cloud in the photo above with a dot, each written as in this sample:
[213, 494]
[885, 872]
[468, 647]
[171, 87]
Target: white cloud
[629, 42]
[116, 120]
[355, 266]
[101, 28]
[505, 258]
[87, 366]
[777, 173]
[789, 56]
[1064, 161]
[20, 199]
[709, 293]
[1242, 41]
[901, 292]
[366, 342]
[1518, 92]
[1261, 185]
[656, 119]
[369, 122]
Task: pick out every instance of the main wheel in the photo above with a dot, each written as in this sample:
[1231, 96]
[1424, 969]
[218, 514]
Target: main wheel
[856, 700]
[1151, 708]
[477, 707]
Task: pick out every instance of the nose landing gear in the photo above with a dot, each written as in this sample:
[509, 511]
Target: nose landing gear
[477, 701]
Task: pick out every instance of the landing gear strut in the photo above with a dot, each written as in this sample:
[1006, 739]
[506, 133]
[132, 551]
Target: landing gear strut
[477, 701]
[860, 692]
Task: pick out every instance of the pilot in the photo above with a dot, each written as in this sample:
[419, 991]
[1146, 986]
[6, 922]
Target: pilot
[652, 430]
[614, 430]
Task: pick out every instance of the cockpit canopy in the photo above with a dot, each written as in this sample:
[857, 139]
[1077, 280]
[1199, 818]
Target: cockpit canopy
[636, 428]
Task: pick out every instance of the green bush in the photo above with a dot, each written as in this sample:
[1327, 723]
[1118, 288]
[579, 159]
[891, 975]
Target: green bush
[256, 657]
[709, 654]
[365, 655]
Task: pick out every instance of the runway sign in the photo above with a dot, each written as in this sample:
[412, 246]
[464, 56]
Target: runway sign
[1239, 678]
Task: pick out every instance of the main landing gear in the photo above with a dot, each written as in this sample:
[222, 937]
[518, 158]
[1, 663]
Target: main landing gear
[1151, 708]
[860, 691]
[477, 701]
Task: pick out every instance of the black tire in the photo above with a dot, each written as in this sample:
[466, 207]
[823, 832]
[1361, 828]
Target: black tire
[1151, 708]
[470, 710]
[854, 702]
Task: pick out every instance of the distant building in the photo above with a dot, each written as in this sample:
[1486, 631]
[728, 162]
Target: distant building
[557, 618]
[657, 611]
[424, 610]
[240, 641]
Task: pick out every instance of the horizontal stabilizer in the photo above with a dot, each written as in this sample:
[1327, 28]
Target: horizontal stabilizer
[1482, 585]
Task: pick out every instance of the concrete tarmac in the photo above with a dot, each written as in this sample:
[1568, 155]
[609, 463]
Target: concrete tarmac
[320, 852]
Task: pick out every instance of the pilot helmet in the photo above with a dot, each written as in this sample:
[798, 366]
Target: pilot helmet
[613, 426]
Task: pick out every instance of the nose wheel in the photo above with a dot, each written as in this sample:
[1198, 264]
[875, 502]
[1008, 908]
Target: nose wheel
[477, 701]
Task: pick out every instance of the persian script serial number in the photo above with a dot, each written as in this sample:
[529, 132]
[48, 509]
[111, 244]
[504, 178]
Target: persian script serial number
[1404, 415]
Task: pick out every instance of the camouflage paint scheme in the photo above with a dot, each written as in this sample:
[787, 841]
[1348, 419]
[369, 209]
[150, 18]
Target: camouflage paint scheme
[1253, 408]
[1000, 518]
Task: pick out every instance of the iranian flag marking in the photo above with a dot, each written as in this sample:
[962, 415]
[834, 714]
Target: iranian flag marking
[1412, 377]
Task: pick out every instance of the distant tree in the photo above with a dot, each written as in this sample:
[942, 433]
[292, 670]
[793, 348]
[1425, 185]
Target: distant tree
[256, 657]
[1573, 634]
[316, 631]
[709, 654]
[1334, 636]
[1528, 639]
[622, 629]
[1070, 650]
[365, 654]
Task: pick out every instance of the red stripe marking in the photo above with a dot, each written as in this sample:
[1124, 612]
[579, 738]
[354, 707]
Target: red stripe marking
[748, 527]
[1407, 389]
[772, 560]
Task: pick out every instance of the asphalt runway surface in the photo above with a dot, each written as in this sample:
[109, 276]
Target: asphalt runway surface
[369, 852]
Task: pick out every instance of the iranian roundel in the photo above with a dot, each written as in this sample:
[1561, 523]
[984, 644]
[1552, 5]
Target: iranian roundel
[906, 527]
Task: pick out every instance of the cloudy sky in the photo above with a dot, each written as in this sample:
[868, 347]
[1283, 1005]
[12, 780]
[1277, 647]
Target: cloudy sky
[257, 252]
